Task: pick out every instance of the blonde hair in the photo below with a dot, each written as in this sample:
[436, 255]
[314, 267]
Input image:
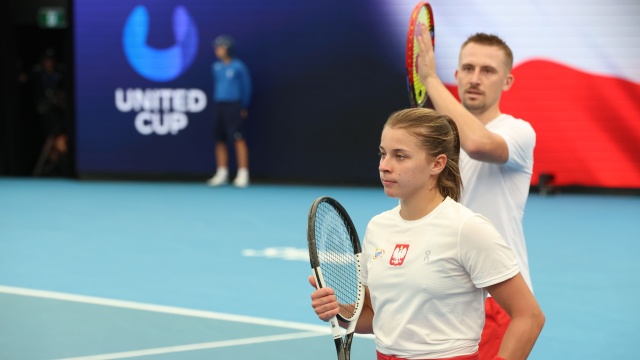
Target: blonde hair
[491, 40]
[438, 134]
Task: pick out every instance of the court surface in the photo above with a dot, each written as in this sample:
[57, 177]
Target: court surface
[162, 270]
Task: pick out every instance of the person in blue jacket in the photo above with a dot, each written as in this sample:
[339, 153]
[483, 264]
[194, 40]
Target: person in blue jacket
[231, 96]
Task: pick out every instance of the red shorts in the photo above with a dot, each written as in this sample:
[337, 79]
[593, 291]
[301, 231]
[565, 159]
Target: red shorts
[464, 357]
[496, 323]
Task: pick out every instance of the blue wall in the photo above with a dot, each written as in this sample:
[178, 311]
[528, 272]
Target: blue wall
[325, 79]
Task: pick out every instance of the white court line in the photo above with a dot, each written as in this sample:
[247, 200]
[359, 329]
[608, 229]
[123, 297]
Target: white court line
[201, 346]
[161, 309]
[311, 330]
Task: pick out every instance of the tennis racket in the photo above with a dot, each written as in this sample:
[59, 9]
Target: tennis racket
[422, 14]
[334, 253]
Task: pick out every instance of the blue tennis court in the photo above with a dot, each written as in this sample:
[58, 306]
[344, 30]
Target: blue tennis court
[178, 270]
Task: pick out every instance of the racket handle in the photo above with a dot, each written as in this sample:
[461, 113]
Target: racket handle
[337, 339]
[333, 322]
[335, 328]
[339, 348]
[347, 346]
[428, 104]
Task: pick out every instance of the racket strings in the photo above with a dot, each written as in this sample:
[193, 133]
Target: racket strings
[337, 258]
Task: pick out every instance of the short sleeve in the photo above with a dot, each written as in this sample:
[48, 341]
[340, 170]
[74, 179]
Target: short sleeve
[485, 254]
[521, 139]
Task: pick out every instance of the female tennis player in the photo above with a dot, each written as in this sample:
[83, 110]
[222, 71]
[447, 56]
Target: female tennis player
[429, 262]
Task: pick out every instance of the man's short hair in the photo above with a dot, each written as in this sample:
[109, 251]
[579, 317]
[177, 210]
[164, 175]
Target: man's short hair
[491, 40]
[226, 42]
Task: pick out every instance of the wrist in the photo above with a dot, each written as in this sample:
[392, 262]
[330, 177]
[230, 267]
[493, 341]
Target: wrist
[432, 80]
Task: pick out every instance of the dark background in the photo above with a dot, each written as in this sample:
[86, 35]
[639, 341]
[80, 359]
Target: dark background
[326, 76]
[23, 44]
[322, 90]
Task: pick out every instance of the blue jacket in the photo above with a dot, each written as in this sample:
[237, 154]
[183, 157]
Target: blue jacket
[231, 82]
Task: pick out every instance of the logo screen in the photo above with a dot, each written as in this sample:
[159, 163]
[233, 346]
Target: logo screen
[143, 86]
[160, 64]
[325, 76]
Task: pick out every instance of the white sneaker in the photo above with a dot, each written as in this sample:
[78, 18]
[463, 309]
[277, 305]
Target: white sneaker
[242, 179]
[220, 178]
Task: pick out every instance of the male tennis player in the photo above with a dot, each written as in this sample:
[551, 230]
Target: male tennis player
[496, 161]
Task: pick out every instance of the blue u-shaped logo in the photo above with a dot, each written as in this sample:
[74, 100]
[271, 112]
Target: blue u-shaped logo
[160, 64]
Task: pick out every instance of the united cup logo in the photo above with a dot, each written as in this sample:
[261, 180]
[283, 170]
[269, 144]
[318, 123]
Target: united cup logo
[160, 111]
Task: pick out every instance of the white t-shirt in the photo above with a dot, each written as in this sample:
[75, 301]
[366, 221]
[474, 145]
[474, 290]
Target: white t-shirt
[500, 192]
[426, 279]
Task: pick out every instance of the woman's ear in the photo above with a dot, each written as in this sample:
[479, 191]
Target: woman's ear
[439, 164]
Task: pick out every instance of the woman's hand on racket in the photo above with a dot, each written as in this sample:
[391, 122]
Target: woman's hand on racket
[324, 301]
[426, 57]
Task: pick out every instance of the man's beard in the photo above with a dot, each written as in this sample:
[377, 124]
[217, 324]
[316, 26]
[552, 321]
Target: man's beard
[473, 106]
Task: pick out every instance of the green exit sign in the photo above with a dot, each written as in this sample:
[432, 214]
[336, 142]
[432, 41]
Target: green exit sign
[52, 17]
